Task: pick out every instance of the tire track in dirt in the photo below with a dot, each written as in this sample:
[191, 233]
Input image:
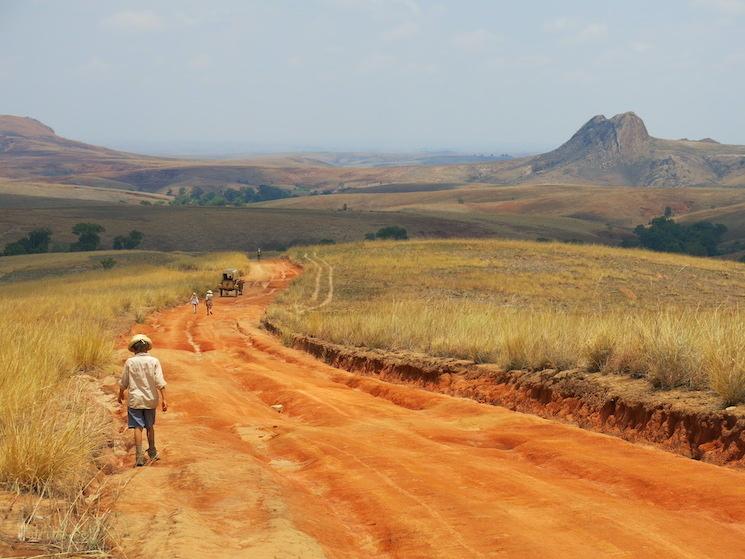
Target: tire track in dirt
[317, 282]
[357, 468]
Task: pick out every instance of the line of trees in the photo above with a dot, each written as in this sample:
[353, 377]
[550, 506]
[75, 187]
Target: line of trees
[228, 196]
[88, 238]
[664, 234]
[392, 232]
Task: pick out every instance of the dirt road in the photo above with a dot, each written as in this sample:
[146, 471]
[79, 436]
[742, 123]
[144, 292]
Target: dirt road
[354, 467]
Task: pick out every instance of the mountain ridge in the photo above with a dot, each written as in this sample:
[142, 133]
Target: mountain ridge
[605, 151]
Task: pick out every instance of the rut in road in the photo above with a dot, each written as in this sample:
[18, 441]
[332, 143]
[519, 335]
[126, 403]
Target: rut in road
[356, 467]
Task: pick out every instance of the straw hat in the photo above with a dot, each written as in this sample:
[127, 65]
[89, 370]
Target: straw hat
[139, 338]
[209, 292]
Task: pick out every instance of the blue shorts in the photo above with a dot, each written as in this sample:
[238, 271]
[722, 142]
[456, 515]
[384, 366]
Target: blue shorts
[144, 419]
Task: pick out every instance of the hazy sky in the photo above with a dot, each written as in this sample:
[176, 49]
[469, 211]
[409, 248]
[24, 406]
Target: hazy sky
[370, 74]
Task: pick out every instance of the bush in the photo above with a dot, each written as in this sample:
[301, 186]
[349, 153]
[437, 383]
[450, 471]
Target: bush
[36, 242]
[129, 242]
[392, 232]
[108, 263]
[666, 235]
[88, 236]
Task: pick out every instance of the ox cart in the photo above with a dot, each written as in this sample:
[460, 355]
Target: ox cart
[231, 283]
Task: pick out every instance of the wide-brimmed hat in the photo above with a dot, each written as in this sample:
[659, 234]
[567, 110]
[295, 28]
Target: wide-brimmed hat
[140, 338]
[209, 292]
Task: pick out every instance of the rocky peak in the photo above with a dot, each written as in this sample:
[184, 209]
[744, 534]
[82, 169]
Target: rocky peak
[601, 142]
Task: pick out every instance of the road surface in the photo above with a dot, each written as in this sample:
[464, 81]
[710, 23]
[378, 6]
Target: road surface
[354, 467]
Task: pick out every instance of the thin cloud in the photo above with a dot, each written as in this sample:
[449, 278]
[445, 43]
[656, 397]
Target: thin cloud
[401, 32]
[732, 7]
[200, 62]
[381, 6]
[592, 32]
[640, 47]
[474, 41]
[560, 24]
[575, 31]
[131, 20]
[377, 63]
[95, 66]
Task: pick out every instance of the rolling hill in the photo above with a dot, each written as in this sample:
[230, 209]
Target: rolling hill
[617, 151]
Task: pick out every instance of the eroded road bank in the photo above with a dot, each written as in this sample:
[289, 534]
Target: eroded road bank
[356, 467]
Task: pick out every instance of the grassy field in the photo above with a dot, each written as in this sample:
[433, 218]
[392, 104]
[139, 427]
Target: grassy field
[618, 206]
[675, 320]
[210, 229]
[59, 328]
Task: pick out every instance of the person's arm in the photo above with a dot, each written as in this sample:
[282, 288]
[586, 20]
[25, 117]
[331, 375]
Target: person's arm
[123, 383]
[160, 382]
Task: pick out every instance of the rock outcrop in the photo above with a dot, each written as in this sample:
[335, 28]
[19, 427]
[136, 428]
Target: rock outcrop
[620, 151]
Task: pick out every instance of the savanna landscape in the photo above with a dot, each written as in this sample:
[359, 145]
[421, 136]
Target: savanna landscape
[409, 299]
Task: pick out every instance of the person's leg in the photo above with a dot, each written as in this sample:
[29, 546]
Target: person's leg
[136, 422]
[139, 456]
[152, 452]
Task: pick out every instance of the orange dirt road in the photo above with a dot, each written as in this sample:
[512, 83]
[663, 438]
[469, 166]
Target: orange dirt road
[355, 467]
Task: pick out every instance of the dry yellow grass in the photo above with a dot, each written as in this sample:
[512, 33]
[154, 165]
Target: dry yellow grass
[58, 330]
[675, 320]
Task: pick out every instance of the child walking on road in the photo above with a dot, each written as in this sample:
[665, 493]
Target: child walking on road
[194, 301]
[208, 301]
[143, 378]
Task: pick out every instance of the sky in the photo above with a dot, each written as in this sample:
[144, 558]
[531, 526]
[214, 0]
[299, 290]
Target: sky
[232, 76]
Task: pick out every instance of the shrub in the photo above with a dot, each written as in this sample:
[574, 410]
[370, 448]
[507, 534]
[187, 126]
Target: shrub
[108, 263]
[36, 242]
[666, 235]
[88, 236]
[392, 232]
[130, 241]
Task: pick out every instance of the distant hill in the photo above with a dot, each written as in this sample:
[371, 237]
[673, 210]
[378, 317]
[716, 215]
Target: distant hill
[30, 149]
[620, 151]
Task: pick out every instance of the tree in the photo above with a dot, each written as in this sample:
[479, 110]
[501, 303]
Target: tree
[392, 232]
[14, 249]
[128, 242]
[88, 236]
[665, 235]
[36, 242]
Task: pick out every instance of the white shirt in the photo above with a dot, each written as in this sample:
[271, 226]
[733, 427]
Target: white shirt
[143, 376]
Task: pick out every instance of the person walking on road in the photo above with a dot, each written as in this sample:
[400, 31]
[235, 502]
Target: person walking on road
[142, 377]
[208, 301]
[258, 254]
[194, 301]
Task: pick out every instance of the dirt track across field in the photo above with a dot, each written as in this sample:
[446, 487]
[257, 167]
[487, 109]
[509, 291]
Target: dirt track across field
[354, 467]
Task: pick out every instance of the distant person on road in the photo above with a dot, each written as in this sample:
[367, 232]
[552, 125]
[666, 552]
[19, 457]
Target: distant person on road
[194, 301]
[208, 301]
[143, 378]
[258, 254]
